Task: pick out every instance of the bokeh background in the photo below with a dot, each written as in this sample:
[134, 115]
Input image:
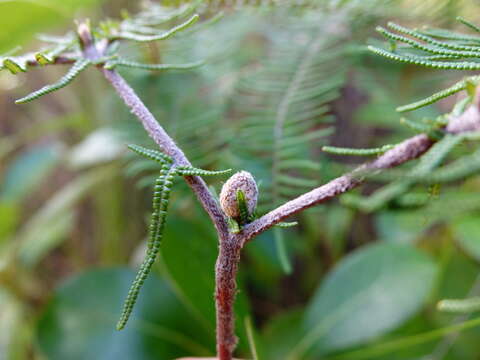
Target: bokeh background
[74, 204]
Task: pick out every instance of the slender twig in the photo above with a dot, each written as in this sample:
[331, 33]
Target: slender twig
[405, 151]
[230, 245]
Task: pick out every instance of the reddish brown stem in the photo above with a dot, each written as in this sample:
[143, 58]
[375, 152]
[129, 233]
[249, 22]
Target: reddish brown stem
[226, 270]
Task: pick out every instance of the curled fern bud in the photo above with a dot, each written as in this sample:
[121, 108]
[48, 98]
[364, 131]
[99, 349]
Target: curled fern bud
[241, 181]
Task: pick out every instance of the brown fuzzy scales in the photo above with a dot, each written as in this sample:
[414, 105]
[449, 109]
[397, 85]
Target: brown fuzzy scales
[244, 181]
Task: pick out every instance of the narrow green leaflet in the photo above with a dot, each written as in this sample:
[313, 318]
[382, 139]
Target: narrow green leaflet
[75, 70]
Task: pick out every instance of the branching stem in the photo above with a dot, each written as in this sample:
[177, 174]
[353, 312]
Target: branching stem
[230, 245]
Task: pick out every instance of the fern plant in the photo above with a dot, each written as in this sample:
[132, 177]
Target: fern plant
[286, 108]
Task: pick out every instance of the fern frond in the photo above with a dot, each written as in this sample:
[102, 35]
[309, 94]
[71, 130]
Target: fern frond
[430, 40]
[74, 71]
[459, 86]
[357, 152]
[419, 60]
[163, 67]
[430, 49]
[151, 154]
[468, 24]
[287, 224]
[125, 35]
[451, 35]
[160, 206]
[191, 171]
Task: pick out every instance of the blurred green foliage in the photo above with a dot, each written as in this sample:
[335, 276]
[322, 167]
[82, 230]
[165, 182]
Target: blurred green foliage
[74, 205]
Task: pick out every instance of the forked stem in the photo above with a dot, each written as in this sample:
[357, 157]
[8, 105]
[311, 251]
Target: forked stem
[230, 245]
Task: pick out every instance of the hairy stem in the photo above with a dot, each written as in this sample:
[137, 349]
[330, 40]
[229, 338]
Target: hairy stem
[226, 271]
[407, 150]
[229, 251]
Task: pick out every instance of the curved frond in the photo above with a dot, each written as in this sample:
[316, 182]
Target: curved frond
[74, 71]
[356, 152]
[151, 154]
[158, 67]
[161, 198]
[457, 87]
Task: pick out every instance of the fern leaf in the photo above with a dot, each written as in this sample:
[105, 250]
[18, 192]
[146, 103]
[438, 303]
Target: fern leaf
[418, 60]
[468, 23]
[459, 86]
[122, 62]
[74, 71]
[164, 35]
[160, 206]
[287, 224]
[151, 154]
[431, 40]
[430, 49]
[191, 171]
[451, 35]
[357, 152]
